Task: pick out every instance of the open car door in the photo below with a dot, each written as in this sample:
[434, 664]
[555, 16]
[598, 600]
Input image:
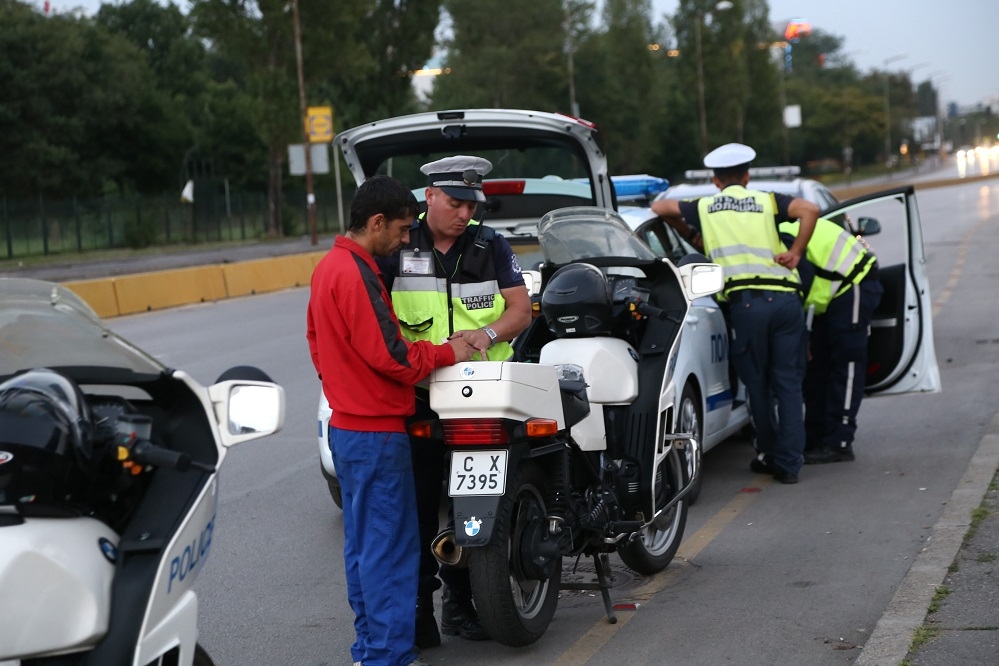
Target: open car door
[901, 353]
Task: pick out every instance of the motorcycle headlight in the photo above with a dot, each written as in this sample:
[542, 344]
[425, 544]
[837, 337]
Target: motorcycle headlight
[570, 372]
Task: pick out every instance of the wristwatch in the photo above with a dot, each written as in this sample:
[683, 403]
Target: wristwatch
[492, 335]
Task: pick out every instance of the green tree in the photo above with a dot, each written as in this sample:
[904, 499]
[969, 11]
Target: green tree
[74, 105]
[505, 54]
[398, 38]
[617, 90]
[259, 35]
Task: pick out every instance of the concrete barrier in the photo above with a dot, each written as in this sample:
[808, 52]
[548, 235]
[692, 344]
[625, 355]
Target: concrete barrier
[165, 289]
[264, 275]
[142, 292]
[98, 294]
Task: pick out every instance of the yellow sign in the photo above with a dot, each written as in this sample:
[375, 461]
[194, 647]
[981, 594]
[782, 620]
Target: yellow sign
[319, 124]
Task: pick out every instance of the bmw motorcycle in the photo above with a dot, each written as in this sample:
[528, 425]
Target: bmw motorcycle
[571, 451]
[108, 485]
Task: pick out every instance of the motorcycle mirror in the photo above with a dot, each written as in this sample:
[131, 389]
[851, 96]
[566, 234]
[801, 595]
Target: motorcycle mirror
[701, 279]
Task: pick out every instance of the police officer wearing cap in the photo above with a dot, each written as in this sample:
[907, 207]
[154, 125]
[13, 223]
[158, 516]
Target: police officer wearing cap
[738, 229]
[842, 292]
[455, 279]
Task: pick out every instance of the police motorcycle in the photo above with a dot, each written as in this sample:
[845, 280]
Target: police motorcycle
[571, 451]
[108, 485]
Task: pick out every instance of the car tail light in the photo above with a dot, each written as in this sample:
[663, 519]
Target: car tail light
[541, 427]
[494, 187]
[462, 432]
[421, 429]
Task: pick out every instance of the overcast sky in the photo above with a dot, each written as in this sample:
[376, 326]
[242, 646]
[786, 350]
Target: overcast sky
[954, 42]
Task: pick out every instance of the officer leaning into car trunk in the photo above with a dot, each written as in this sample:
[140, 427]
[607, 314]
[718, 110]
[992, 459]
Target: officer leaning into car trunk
[738, 230]
[842, 293]
[456, 278]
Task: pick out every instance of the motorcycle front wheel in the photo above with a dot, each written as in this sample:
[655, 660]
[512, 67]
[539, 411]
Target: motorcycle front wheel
[514, 607]
[656, 545]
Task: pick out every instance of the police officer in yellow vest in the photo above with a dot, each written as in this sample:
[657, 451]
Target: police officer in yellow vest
[737, 228]
[455, 279]
[843, 295]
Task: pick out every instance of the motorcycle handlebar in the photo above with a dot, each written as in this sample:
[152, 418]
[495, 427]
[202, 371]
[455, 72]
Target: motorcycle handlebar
[145, 452]
[648, 310]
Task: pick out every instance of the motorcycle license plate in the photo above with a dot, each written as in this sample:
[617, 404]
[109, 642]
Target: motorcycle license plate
[477, 473]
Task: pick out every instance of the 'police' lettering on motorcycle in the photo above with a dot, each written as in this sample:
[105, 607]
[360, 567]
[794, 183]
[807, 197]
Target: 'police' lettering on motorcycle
[187, 561]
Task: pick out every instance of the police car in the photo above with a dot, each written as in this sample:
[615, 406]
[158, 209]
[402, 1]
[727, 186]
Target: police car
[901, 355]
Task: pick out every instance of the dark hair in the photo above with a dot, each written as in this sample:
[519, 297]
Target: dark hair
[731, 175]
[381, 194]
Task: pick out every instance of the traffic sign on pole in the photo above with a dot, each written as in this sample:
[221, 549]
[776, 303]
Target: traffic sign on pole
[319, 124]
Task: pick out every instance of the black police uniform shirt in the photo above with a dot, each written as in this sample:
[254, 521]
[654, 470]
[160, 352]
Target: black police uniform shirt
[508, 271]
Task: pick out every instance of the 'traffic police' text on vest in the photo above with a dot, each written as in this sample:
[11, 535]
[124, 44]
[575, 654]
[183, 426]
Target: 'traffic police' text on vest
[840, 261]
[422, 304]
[740, 234]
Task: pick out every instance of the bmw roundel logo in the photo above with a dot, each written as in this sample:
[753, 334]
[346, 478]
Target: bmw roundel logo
[467, 371]
[472, 526]
[108, 550]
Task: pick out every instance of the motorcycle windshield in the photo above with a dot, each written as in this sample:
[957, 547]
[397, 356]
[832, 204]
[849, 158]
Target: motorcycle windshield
[43, 324]
[584, 232]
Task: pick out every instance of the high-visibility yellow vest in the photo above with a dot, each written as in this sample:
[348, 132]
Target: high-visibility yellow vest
[840, 261]
[740, 234]
[432, 307]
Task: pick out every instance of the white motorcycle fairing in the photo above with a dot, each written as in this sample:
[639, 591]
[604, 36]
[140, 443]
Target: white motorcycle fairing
[610, 368]
[60, 571]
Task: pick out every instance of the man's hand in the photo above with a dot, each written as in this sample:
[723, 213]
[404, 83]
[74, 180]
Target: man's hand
[463, 351]
[477, 338]
[788, 260]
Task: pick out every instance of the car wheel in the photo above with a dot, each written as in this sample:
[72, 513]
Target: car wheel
[335, 492]
[689, 420]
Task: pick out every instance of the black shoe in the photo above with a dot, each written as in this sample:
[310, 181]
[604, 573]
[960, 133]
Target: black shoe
[828, 455]
[458, 617]
[763, 467]
[427, 635]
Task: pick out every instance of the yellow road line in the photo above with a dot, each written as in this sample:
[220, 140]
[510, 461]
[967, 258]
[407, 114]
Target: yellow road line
[955, 274]
[593, 640]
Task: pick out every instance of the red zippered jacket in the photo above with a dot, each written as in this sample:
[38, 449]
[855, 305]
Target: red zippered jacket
[367, 368]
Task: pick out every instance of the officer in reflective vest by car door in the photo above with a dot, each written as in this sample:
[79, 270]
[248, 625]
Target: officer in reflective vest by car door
[843, 294]
[739, 228]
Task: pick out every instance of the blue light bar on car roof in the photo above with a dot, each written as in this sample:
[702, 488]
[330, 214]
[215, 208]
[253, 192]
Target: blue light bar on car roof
[634, 187]
[641, 186]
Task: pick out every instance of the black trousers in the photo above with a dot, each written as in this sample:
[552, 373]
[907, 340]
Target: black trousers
[837, 371]
[430, 462]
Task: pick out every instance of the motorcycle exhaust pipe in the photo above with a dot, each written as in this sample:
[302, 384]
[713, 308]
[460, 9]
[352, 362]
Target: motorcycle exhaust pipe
[446, 551]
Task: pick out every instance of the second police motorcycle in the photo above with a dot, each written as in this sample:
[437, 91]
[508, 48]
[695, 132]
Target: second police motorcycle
[571, 450]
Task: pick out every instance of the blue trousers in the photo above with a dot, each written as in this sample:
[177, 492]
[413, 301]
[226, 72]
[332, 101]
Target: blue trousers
[380, 542]
[837, 370]
[768, 344]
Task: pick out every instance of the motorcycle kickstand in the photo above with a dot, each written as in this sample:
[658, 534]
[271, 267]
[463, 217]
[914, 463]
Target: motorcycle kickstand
[600, 563]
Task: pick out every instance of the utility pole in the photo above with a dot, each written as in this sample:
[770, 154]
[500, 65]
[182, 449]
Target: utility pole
[310, 196]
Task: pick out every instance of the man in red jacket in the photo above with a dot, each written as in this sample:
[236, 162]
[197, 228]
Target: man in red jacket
[368, 371]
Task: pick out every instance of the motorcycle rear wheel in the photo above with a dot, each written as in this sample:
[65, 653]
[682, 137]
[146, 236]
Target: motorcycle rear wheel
[514, 609]
[657, 543]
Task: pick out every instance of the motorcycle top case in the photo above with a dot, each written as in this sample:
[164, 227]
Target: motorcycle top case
[496, 389]
[55, 585]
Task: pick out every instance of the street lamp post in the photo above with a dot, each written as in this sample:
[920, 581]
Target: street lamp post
[703, 115]
[888, 152]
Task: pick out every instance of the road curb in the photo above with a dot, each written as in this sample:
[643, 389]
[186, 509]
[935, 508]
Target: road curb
[889, 642]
